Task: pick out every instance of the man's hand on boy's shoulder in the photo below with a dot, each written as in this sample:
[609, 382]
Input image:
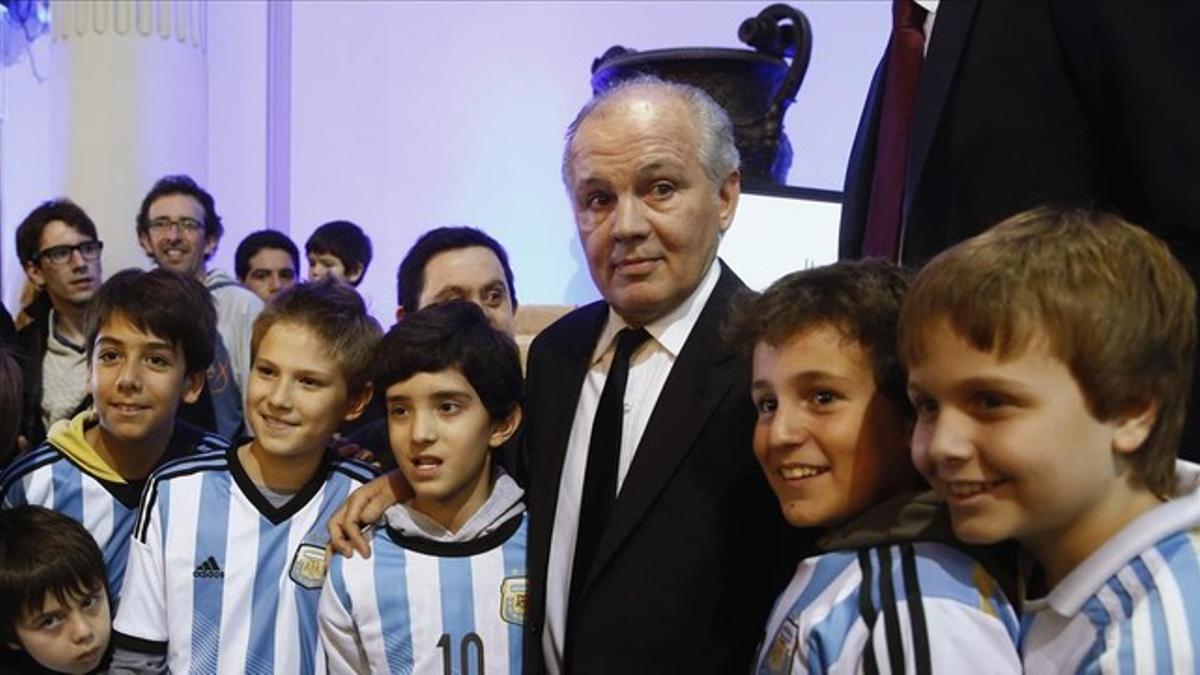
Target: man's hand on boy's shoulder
[365, 506]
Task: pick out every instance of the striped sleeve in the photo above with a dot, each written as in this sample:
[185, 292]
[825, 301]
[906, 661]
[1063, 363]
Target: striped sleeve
[343, 647]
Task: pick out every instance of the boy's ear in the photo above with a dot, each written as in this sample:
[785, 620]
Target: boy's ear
[505, 428]
[193, 385]
[399, 313]
[354, 275]
[1133, 428]
[359, 403]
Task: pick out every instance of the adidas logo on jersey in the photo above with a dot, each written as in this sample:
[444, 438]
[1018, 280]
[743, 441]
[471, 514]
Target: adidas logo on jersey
[209, 569]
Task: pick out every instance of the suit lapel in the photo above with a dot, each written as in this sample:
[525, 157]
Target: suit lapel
[699, 379]
[950, 29]
[559, 377]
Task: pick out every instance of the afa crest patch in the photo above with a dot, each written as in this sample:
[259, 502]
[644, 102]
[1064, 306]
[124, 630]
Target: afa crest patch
[308, 566]
[779, 657]
[512, 600]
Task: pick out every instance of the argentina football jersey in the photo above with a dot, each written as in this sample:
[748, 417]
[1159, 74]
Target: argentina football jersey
[914, 607]
[63, 474]
[429, 607]
[220, 579]
[1133, 605]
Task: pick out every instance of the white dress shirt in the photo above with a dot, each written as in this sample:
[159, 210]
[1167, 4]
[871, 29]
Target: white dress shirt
[648, 371]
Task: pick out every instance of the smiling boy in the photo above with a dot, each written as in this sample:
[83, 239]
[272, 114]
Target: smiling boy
[832, 440]
[149, 342]
[445, 588]
[1049, 361]
[236, 589]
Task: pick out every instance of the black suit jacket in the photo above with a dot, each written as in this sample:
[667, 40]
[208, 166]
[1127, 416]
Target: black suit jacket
[1020, 104]
[683, 577]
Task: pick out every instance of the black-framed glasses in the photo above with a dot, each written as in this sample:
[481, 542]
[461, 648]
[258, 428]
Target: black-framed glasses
[59, 255]
[185, 224]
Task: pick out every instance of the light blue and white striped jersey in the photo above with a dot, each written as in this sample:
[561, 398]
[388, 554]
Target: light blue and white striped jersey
[419, 606]
[222, 581]
[1133, 606]
[50, 477]
[854, 612]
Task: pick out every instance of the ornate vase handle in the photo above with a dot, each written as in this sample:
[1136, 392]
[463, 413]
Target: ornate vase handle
[766, 35]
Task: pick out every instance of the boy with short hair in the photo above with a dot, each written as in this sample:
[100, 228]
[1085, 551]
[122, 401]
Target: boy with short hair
[150, 341]
[1049, 361]
[832, 440]
[445, 588]
[266, 262]
[339, 249]
[55, 616]
[236, 589]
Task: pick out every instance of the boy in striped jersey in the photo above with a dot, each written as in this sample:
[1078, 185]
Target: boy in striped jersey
[150, 341]
[832, 439]
[444, 591]
[1049, 361]
[227, 560]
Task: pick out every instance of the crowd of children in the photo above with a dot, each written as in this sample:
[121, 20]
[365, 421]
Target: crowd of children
[987, 457]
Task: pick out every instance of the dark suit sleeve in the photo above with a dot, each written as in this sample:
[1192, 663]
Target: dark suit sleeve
[1136, 65]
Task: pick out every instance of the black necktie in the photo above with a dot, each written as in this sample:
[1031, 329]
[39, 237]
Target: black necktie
[604, 453]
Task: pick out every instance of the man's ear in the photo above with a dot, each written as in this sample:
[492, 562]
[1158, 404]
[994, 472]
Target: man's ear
[35, 275]
[505, 428]
[146, 244]
[359, 403]
[727, 198]
[400, 312]
[210, 245]
[193, 386]
[1133, 428]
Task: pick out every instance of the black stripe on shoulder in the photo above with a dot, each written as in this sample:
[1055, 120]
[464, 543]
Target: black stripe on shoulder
[26, 465]
[916, 610]
[891, 611]
[359, 471]
[460, 549]
[866, 609]
[175, 469]
[135, 644]
[211, 443]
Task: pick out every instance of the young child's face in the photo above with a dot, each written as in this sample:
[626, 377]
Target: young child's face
[297, 394]
[67, 639]
[137, 380]
[1011, 445]
[830, 443]
[442, 435]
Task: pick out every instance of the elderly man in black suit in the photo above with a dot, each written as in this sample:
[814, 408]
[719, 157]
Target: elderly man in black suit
[649, 552]
[653, 535]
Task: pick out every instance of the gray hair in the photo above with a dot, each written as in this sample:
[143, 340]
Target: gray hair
[718, 154]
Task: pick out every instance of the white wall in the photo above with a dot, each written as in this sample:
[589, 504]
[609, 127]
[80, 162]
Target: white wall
[410, 115]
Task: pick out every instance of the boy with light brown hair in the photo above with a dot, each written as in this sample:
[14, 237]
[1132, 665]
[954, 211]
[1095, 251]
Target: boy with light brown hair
[1049, 363]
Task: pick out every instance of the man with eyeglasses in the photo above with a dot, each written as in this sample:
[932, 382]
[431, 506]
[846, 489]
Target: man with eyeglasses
[179, 228]
[60, 253]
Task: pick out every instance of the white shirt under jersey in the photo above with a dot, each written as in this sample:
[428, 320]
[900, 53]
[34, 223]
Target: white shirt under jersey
[431, 606]
[1133, 606]
[223, 581]
[648, 371]
[853, 612]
